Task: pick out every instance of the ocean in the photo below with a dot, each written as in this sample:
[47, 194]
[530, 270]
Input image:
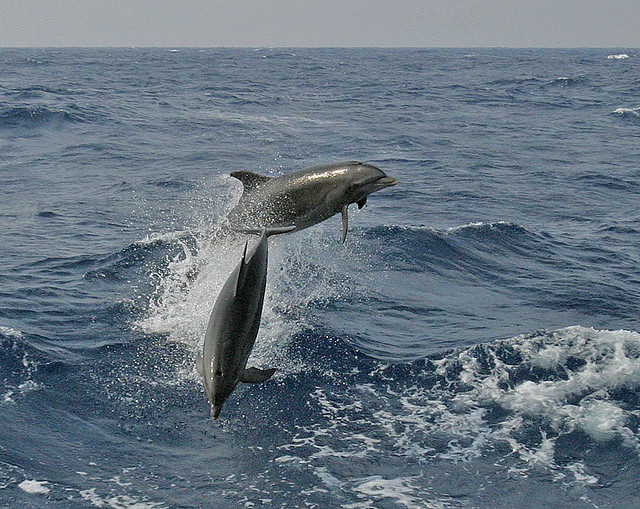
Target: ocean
[475, 342]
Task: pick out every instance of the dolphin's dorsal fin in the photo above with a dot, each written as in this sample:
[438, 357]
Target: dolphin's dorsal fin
[249, 179]
[256, 376]
[200, 364]
[362, 203]
[242, 269]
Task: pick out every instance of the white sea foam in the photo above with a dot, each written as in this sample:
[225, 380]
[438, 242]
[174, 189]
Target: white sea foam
[578, 400]
[399, 490]
[634, 112]
[619, 56]
[33, 486]
[11, 333]
[117, 502]
[578, 373]
[20, 390]
[478, 225]
[408, 491]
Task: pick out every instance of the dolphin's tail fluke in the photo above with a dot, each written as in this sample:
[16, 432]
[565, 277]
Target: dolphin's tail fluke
[268, 231]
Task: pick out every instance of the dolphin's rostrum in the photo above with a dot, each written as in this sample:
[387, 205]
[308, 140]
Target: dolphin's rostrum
[233, 326]
[306, 197]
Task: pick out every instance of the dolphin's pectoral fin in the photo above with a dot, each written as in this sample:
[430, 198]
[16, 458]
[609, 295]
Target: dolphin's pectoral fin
[200, 364]
[256, 376]
[249, 179]
[345, 222]
[362, 203]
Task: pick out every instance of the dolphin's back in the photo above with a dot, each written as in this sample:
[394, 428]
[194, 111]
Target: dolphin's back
[235, 319]
[301, 198]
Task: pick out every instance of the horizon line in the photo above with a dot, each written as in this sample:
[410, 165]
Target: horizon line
[177, 47]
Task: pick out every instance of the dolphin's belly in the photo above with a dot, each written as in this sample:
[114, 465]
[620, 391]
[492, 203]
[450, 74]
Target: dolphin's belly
[275, 208]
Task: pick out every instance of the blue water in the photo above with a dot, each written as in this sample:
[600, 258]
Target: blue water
[473, 344]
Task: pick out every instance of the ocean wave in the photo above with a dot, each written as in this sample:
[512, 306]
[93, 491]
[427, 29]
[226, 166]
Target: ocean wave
[515, 81]
[521, 403]
[37, 115]
[62, 264]
[622, 229]
[461, 247]
[628, 113]
[19, 363]
[153, 252]
[35, 487]
[40, 60]
[36, 92]
[388, 276]
[490, 261]
[566, 82]
[10, 333]
[47, 214]
[495, 232]
[610, 182]
[92, 497]
[571, 379]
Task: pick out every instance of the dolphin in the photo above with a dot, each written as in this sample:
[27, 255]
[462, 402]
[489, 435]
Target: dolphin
[233, 326]
[306, 197]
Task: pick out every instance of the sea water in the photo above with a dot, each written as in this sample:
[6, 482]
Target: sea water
[474, 343]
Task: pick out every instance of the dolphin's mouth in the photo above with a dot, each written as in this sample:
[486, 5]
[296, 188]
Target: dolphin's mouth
[386, 181]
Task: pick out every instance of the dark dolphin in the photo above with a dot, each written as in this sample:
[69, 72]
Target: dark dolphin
[233, 326]
[306, 197]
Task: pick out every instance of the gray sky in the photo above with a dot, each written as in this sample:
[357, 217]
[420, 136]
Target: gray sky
[208, 23]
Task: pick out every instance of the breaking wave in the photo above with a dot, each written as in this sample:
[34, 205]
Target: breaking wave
[537, 402]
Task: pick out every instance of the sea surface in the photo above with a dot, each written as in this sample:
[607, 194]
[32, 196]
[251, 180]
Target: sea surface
[475, 342]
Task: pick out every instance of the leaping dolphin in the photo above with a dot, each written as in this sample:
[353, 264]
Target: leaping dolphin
[233, 326]
[306, 197]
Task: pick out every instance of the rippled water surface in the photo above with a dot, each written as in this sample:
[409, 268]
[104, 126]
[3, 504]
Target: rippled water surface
[473, 344]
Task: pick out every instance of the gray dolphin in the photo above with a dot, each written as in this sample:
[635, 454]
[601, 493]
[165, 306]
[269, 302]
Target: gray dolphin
[233, 326]
[306, 197]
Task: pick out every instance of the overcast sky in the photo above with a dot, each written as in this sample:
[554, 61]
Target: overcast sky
[209, 23]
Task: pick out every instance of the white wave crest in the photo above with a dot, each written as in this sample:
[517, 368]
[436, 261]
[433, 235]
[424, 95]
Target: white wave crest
[634, 112]
[619, 56]
[35, 487]
[11, 333]
[479, 225]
